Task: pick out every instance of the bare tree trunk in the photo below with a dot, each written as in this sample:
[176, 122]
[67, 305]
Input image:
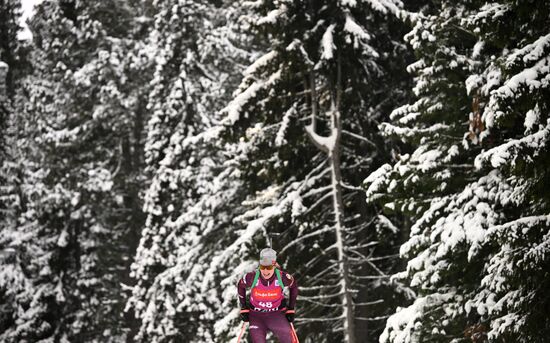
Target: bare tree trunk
[332, 147]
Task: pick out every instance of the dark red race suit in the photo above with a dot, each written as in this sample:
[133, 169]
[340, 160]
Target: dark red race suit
[268, 305]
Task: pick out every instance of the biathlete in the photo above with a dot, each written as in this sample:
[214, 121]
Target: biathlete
[268, 308]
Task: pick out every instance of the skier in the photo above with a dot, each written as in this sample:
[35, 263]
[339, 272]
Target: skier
[268, 308]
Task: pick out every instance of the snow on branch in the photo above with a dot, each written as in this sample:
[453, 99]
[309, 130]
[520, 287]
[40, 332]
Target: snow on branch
[317, 288]
[406, 132]
[280, 138]
[327, 43]
[377, 181]
[325, 144]
[272, 16]
[369, 277]
[531, 52]
[409, 112]
[519, 226]
[369, 303]
[291, 199]
[322, 296]
[359, 137]
[316, 191]
[261, 62]
[532, 78]
[401, 326]
[382, 6]
[297, 45]
[309, 235]
[528, 77]
[506, 154]
[234, 109]
[372, 319]
[325, 319]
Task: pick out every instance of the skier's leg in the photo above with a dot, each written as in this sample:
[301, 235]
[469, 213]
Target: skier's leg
[279, 325]
[257, 327]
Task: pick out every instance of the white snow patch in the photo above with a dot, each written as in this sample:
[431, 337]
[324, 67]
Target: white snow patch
[352, 27]
[327, 43]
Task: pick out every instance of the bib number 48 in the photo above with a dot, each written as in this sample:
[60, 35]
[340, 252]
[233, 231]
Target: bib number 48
[266, 304]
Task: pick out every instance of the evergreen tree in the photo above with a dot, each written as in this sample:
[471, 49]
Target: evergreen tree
[189, 202]
[12, 276]
[10, 48]
[79, 142]
[304, 121]
[474, 182]
[9, 16]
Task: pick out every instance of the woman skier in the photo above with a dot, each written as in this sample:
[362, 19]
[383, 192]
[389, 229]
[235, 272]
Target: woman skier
[267, 308]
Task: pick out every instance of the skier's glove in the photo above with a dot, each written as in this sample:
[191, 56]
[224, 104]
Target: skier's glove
[290, 315]
[244, 314]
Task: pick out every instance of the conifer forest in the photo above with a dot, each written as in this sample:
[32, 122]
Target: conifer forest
[394, 153]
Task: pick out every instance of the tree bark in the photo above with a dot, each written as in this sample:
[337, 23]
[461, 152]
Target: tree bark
[333, 151]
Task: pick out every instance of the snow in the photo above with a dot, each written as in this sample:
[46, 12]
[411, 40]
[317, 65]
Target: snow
[280, 138]
[532, 117]
[327, 43]
[528, 77]
[492, 12]
[473, 82]
[385, 6]
[297, 205]
[272, 16]
[531, 52]
[326, 142]
[507, 153]
[406, 132]
[476, 52]
[402, 326]
[376, 180]
[261, 62]
[352, 27]
[233, 110]
[63, 239]
[349, 3]
[426, 158]
[262, 217]
[28, 11]
[384, 221]
[205, 218]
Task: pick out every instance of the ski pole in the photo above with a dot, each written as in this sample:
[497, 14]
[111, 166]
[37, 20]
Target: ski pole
[242, 331]
[294, 335]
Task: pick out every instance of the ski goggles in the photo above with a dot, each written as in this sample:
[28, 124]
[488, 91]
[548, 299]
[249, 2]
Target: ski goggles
[266, 267]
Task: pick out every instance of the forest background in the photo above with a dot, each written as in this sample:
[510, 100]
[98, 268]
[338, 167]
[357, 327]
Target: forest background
[397, 152]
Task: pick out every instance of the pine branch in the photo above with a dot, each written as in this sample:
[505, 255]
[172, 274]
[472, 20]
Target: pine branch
[375, 302]
[373, 319]
[361, 138]
[312, 234]
[369, 277]
[309, 320]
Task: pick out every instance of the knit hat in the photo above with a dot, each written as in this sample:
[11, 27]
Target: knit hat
[268, 257]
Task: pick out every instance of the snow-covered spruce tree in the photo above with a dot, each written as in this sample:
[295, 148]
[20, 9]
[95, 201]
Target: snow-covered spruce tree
[77, 140]
[9, 27]
[6, 201]
[11, 65]
[474, 184]
[189, 203]
[10, 47]
[12, 277]
[305, 120]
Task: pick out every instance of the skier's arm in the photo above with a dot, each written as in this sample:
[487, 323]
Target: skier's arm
[241, 288]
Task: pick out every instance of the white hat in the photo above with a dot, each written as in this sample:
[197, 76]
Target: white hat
[268, 257]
